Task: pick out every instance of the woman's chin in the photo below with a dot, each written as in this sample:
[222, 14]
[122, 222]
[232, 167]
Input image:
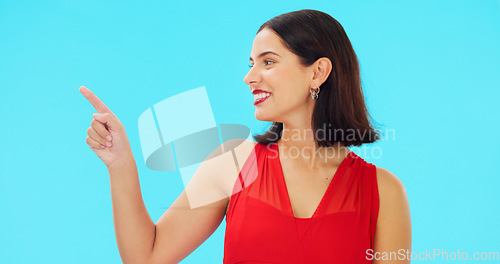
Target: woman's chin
[263, 117]
[260, 119]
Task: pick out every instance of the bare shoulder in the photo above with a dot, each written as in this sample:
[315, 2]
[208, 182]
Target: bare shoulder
[389, 184]
[200, 208]
[215, 177]
[393, 231]
[394, 205]
[240, 150]
[242, 146]
[224, 164]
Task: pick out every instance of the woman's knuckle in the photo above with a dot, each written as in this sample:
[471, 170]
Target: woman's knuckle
[95, 137]
[92, 133]
[100, 140]
[91, 141]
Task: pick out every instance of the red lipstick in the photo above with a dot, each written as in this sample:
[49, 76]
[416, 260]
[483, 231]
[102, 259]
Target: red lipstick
[260, 100]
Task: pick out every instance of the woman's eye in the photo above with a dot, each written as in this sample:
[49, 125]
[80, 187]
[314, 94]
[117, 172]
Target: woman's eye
[267, 61]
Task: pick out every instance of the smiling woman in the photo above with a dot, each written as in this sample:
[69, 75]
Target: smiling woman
[300, 197]
[310, 41]
[311, 199]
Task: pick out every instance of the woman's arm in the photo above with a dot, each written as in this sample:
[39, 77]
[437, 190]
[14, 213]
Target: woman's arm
[201, 207]
[188, 222]
[191, 219]
[393, 234]
[134, 229]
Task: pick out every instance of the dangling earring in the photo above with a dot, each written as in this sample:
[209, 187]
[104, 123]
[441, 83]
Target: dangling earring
[314, 94]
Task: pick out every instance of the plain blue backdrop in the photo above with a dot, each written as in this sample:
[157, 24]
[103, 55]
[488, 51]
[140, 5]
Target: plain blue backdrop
[430, 70]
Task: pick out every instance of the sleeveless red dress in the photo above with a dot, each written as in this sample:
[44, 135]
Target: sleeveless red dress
[261, 227]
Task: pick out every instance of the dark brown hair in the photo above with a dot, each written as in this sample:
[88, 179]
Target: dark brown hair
[340, 111]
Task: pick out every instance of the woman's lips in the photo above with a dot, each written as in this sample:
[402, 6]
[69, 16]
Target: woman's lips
[260, 100]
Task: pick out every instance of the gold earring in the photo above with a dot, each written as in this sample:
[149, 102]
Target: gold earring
[314, 94]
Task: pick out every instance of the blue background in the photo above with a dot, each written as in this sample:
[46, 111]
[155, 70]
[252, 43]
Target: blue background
[430, 71]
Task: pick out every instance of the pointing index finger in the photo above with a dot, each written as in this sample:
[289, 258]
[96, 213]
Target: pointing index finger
[95, 101]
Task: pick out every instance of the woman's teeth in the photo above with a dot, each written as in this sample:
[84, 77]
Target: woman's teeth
[260, 96]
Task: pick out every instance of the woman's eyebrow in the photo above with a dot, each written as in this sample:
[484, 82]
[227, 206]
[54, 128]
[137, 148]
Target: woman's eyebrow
[264, 54]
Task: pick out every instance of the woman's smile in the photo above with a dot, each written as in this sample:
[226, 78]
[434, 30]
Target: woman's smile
[260, 97]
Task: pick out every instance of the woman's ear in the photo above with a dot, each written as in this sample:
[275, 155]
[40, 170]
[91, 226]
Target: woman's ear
[321, 68]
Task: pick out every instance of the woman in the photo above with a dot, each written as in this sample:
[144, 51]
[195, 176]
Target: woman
[301, 196]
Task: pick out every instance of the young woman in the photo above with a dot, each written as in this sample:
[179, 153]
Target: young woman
[301, 196]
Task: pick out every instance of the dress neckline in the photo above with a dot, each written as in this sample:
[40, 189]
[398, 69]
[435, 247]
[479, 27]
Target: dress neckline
[334, 180]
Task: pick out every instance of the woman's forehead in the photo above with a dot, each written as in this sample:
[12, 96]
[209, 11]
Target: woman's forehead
[267, 40]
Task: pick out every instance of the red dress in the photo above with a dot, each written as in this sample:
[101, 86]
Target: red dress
[261, 227]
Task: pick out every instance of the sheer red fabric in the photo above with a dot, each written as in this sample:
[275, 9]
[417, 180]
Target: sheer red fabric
[261, 227]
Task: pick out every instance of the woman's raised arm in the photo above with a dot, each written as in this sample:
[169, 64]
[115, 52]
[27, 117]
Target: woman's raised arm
[193, 216]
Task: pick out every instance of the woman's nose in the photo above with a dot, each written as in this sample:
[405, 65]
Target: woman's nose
[252, 76]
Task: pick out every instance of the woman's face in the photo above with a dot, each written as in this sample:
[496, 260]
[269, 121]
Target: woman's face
[276, 70]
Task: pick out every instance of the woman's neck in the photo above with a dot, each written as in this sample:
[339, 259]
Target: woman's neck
[299, 145]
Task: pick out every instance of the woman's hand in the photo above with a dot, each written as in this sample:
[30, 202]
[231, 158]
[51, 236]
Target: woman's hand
[107, 137]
